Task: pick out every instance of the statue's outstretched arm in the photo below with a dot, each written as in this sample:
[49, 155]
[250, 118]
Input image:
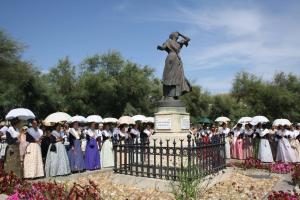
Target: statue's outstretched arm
[163, 47]
[187, 39]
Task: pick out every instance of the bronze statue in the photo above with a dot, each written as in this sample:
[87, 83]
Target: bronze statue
[174, 82]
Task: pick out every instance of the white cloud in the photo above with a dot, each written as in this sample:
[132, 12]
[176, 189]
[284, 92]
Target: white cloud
[123, 5]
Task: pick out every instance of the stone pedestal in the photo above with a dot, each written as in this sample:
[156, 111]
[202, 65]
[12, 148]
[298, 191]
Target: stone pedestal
[171, 121]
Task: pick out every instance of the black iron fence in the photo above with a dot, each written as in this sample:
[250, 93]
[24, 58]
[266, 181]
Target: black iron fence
[168, 159]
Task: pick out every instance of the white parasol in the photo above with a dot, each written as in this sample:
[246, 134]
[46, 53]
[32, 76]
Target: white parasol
[77, 118]
[20, 113]
[149, 120]
[282, 122]
[139, 118]
[259, 119]
[57, 117]
[94, 118]
[245, 120]
[222, 119]
[110, 120]
[126, 120]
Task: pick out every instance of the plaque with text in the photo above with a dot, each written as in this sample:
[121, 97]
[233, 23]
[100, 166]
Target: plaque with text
[185, 123]
[163, 123]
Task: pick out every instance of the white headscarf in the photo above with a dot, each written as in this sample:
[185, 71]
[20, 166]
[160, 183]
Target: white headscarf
[13, 132]
[55, 134]
[35, 133]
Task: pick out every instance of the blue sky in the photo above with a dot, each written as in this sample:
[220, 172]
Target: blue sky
[261, 37]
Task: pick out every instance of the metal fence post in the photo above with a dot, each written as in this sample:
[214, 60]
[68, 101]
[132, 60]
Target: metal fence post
[189, 155]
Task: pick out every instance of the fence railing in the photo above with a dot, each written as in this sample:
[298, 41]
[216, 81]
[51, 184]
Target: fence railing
[168, 159]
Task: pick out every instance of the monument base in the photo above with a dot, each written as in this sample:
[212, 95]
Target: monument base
[171, 121]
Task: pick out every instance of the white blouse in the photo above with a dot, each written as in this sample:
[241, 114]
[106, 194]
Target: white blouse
[75, 133]
[35, 133]
[92, 133]
[248, 132]
[13, 132]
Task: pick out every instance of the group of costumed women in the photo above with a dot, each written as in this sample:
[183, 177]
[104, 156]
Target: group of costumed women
[279, 143]
[62, 148]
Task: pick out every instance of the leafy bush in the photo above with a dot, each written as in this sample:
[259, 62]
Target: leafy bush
[17, 188]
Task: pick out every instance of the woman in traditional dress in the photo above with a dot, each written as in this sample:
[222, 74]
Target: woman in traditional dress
[264, 150]
[248, 142]
[107, 154]
[12, 160]
[233, 150]
[33, 162]
[285, 153]
[57, 162]
[273, 141]
[225, 131]
[75, 154]
[92, 157]
[256, 139]
[65, 136]
[134, 131]
[23, 143]
[45, 143]
[238, 147]
[147, 132]
[3, 145]
[295, 144]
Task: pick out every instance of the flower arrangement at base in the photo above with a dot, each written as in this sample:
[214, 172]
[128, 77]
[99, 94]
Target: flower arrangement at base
[18, 189]
[281, 167]
[280, 195]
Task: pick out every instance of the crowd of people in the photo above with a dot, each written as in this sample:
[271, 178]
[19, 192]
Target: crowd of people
[262, 141]
[32, 150]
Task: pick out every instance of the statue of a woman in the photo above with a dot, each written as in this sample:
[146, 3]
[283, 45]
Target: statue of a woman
[174, 81]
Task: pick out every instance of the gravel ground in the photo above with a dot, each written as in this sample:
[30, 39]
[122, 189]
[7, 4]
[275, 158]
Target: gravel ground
[229, 184]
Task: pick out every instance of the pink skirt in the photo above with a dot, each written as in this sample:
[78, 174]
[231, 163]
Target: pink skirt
[233, 149]
[248, 147]
[239, 149]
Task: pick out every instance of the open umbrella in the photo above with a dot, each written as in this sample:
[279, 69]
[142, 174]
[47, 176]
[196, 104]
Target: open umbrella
[282, 122]
[110, 120]
[126, 120]
[222, 119]
[57, 117]
[94, 118]
[259, 119]
[204, 120]
[245, 120]
[148, 120]
[139, 118]
[78, 118]
[20, 113]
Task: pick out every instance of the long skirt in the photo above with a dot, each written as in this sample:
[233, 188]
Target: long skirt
[76, 157]
[12, 160]
[264, 151]
[248, 147]
[92, 157]
[57, 162]
[233, 148]
[227, 147]
[239, 149]
[273, 145]
[285, 153]
[256, 142]
[295, 144]
[107, 154]
[33, 162]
